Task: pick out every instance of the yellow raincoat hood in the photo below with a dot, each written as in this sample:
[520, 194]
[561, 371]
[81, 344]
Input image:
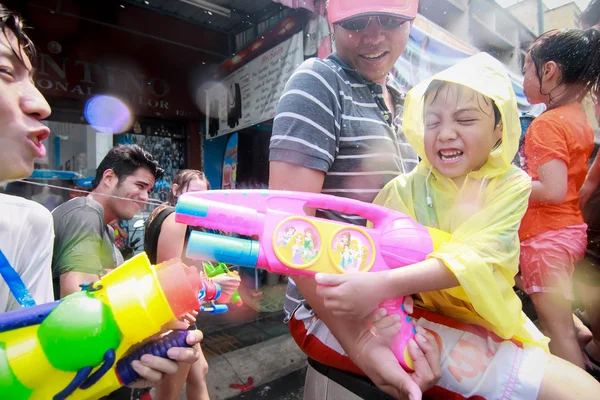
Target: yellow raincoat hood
[483, 215]
[485, 75]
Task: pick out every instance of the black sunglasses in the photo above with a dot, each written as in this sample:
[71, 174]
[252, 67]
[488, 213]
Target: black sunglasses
[360, 23]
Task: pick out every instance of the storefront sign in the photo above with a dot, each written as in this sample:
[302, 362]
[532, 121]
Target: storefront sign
[250, 94]
[61, 76]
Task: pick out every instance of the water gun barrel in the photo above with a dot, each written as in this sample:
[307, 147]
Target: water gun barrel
[26, 317]
[195, 211]
[180, 285]
[223, 249]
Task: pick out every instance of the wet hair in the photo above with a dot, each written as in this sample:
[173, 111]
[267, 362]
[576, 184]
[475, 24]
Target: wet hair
[436, 86]
[577, 54]
[11, 21]
[591, 15]
[183, 179]
[124, 160]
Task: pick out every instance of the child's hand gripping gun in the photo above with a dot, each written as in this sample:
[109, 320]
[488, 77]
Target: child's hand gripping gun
[220, 269]
[290, 242]
[210, 292]
[74, 348]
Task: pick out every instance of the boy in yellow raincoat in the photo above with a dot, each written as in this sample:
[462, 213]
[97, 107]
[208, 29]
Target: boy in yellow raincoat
[464, 123]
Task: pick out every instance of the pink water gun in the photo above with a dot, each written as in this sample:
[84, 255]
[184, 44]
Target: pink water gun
[292, 243]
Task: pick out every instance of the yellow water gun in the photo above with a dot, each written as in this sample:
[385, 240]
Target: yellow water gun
[76, 348]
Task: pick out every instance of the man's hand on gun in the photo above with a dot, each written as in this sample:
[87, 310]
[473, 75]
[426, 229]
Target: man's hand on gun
[189, 319]
[374, 358]
[152, 369]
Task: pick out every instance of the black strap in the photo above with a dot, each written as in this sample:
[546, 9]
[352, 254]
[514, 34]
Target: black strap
[153, 233]
[361, 386]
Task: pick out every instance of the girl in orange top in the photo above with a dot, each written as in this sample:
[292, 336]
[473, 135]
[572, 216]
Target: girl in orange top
[560, 69]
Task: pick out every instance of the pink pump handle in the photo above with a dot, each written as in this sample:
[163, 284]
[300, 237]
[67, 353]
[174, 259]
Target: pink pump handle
[374, 213]
[371, 212]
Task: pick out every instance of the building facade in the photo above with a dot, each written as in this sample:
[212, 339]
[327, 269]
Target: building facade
[565, 16]
[483, 24]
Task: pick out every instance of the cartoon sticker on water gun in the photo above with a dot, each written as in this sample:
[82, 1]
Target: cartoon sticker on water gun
[285, 235]
[302, 246]
[351, 250]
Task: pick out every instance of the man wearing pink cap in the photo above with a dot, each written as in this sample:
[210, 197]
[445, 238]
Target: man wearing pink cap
[338, 131]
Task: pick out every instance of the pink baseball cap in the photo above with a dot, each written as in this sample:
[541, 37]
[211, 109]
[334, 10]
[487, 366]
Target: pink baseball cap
[339, 10]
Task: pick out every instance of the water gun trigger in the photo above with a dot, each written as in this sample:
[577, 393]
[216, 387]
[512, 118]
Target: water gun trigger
[83, 379]
[109, 360]
[78, 379]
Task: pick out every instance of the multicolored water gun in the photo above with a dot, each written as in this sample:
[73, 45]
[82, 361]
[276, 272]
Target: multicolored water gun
[220, 269]
[75, 348]
[292, 243]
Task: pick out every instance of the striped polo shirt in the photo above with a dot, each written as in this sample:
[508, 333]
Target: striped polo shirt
[331, 119]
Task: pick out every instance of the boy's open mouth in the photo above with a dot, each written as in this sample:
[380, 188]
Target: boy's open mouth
[375, 56]
[450, 155]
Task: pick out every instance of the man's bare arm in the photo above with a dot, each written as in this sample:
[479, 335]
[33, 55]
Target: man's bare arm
[287, 176]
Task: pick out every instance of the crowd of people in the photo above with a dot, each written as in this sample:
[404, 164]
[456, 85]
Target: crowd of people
[442, 154]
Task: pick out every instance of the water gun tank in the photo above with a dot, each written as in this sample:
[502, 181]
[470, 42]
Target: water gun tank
[405, 242]
[181, 285]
